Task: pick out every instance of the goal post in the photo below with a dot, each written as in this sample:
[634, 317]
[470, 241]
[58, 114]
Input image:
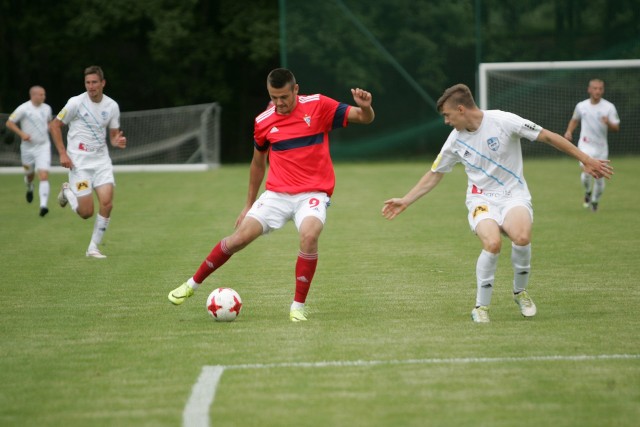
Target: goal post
[547, 92]
[168, 139]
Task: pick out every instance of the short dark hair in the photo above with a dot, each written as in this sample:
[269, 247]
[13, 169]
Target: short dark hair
[459, 94]
[280, 77]
[94, 69]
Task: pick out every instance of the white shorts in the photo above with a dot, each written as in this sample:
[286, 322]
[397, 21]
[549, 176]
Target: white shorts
[83, 181]
[35, 157]
[482, 207]
[273, 210]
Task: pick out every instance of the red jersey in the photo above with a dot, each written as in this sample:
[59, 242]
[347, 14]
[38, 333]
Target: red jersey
[298, 144]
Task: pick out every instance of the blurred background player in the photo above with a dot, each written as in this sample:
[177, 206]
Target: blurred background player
[596, 117]
[88, 116]
[498, 198]
[33, 117]
[294, 133]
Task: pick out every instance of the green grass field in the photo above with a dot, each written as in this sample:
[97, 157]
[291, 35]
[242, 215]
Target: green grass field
[389, 342]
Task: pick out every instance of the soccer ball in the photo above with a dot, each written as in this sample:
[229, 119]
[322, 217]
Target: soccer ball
[224, 304]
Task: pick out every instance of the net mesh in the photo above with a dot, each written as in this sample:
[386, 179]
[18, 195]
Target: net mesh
[548, 96]
[168, 136]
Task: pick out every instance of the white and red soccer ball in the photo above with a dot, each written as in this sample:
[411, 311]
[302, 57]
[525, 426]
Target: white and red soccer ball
[224, 304]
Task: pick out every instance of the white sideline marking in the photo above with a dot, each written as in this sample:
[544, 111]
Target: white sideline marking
[196, 413]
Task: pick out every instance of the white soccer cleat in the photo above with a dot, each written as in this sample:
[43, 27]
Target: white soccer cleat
[524, 301]
[62, 199]
[94, 253]
[480, 314]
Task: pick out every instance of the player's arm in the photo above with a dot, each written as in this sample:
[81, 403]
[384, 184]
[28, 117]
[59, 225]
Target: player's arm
[573, 124]
[394, 207]
[13, 127]
[594, 167]
[363, 113]
[256, 176]
[55, 129]
[117, 138]
[613, 127]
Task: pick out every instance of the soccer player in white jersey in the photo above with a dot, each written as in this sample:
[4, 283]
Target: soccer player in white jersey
[33, 118]
[88, 116]
[487, 143]
[596, 117]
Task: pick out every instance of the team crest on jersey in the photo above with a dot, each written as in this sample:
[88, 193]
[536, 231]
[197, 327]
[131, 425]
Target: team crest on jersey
[104, 115]
[307, 120]
[493, 143]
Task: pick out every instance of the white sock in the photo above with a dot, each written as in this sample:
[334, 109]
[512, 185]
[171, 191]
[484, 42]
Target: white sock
[598, 189]
[43, 192]
[99, 227]
[72, 199]
[585, 179]
[521, 261]
[297, 305]
[485, 276]
[192, 284]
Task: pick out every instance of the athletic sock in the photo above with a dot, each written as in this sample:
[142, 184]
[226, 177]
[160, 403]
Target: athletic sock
[585, 179]
[72, 199]
[43, 193]
[598, 189]
[305, 269]
[216, 259]
[485, 275]
[28, 184]
[99, 228]
[521, 261]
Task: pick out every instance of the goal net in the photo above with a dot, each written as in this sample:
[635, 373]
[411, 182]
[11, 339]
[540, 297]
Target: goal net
[179, 138]
[547, 92]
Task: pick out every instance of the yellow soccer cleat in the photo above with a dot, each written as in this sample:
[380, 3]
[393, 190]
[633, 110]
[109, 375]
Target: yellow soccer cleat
[299, 315]
[181, 293]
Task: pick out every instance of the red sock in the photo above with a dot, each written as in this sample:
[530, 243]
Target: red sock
[305, 269]
[218, 256]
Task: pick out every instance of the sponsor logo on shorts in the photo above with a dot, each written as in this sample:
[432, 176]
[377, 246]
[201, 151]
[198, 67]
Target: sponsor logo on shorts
[82, 185]
[479, 210]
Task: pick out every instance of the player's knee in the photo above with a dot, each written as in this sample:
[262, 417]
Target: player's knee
[522, 239]
[493, 245]
[85, 214]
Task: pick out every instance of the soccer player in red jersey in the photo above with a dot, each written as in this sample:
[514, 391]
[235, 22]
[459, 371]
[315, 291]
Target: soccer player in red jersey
[294, 133]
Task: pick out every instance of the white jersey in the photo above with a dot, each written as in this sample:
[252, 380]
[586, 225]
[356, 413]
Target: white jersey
[593, 132]
[88, 122]
[491, 155]
[34, 120]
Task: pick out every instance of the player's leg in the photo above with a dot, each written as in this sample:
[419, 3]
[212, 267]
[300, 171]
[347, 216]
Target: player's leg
[598, 189]
[517, 226]
[488, 231]
[43, 164]
[587, 184]
[249, 230]
[310, 216]
[28, 164]
[104, 193]
[265, 215]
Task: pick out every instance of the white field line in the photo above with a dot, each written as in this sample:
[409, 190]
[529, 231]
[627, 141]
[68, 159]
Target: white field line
[196, 412]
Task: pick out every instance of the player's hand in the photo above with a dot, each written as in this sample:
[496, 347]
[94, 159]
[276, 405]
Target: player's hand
[362, 98]
[26, 137]
[120, 140]
[598, 168]
[568, 136]
[393, 207]
[65, 161]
